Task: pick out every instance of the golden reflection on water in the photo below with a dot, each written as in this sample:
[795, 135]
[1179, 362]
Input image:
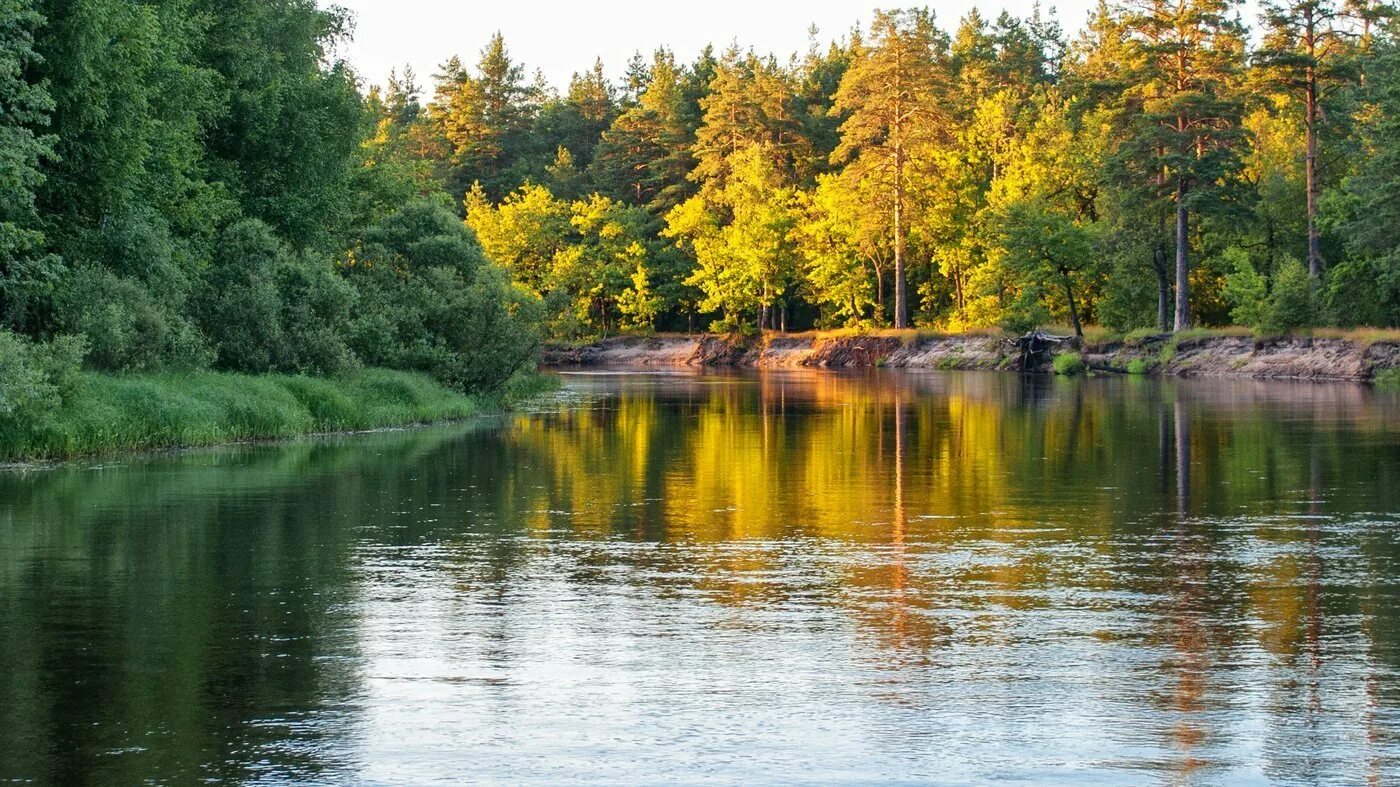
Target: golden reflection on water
[920, 576]
[947, 462]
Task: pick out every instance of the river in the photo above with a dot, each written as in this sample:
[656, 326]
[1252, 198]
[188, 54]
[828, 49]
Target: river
[780, 577]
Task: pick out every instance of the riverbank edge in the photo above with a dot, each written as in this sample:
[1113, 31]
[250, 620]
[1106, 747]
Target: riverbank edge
[1192, 354]
[115, 414]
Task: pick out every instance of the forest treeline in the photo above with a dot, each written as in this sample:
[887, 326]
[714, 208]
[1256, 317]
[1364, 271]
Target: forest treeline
[184, 185]
[191, 184]
[1167, 166]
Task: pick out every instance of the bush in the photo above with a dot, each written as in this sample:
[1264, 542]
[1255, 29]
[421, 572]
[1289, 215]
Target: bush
[1246, 289]
[1292, 304]
[1069, 364]
[1388, 379]
[36, 379]
[127, 328]
[1363, 292]
[1289, 304]
[1137, 366]
[434, 304]
[266, 309]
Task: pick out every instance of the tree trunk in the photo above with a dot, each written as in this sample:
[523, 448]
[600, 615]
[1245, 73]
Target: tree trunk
[1314, 235]
[1183, 285]
[881, 314]
[1183, 458]
[1164, 288]
[901, 283]
[1073, 311]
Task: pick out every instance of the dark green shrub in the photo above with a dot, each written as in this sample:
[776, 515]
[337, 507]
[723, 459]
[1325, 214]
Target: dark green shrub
[1283, 304]
[1291, 303]
[434, 304]
[127, 328]
[1246, 289]
[267, 309]
[1363, 292]
[36, 379]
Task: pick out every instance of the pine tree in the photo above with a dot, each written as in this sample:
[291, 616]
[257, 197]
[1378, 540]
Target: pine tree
[890, 95]
[751, 103]
[485, 118]
[1183, 109]
[1307, 50]
[644, 158]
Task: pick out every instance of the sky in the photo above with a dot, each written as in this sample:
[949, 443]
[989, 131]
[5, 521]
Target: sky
[560, 38]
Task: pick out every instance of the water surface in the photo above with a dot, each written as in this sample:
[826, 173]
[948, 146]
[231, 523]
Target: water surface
[777, 577]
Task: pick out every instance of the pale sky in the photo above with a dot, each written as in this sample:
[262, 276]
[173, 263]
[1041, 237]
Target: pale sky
[560, 38]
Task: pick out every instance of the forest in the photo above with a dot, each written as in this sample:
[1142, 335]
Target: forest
[192, 185]
[1166, 166]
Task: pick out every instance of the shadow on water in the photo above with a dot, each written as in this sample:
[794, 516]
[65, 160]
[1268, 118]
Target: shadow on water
[736, 575]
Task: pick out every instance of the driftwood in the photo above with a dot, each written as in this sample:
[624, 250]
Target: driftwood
[1034, 348]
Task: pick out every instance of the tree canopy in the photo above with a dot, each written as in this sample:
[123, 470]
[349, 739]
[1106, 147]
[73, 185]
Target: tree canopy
[188, 183]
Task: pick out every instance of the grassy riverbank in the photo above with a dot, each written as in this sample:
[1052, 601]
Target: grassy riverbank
[110, 413]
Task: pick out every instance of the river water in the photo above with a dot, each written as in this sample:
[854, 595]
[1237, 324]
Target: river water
[757, 578]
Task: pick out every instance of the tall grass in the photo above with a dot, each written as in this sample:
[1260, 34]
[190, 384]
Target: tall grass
[116, 413]
[1068, 364]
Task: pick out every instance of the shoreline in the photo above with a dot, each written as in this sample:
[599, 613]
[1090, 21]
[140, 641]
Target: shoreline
[1194, 354]
[113, 415]
[156, 452]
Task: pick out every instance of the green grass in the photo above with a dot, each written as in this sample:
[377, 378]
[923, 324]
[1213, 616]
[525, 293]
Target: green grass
[1388, 379]
[1137, 366]
[1069, 364]
[130, 412]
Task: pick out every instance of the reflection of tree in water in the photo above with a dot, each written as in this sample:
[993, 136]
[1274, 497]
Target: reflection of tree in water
[227, 580]
[192, 612]
[1187, 589]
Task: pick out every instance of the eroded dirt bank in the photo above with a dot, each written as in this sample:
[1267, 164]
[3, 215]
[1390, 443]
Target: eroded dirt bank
[1298, 358]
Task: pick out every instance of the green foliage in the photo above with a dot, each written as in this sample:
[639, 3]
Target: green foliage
[1069, 364]
[1362, 291]
[265, 308]
[285, 141]
[116, 413]
[645, 156]
[1047, 248]
[486, 121]
[1286, 303]
[1246, 289]
[1292, 303]
[1388, 379]
[36, 379]
[127, 326]
[844, 250]
[26, 270]
[1138, 367]
[591, 260]
[429, 301]
[741, 237]
[640, 304]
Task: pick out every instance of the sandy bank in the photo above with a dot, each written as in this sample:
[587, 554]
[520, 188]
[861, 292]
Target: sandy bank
[1296, 358]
